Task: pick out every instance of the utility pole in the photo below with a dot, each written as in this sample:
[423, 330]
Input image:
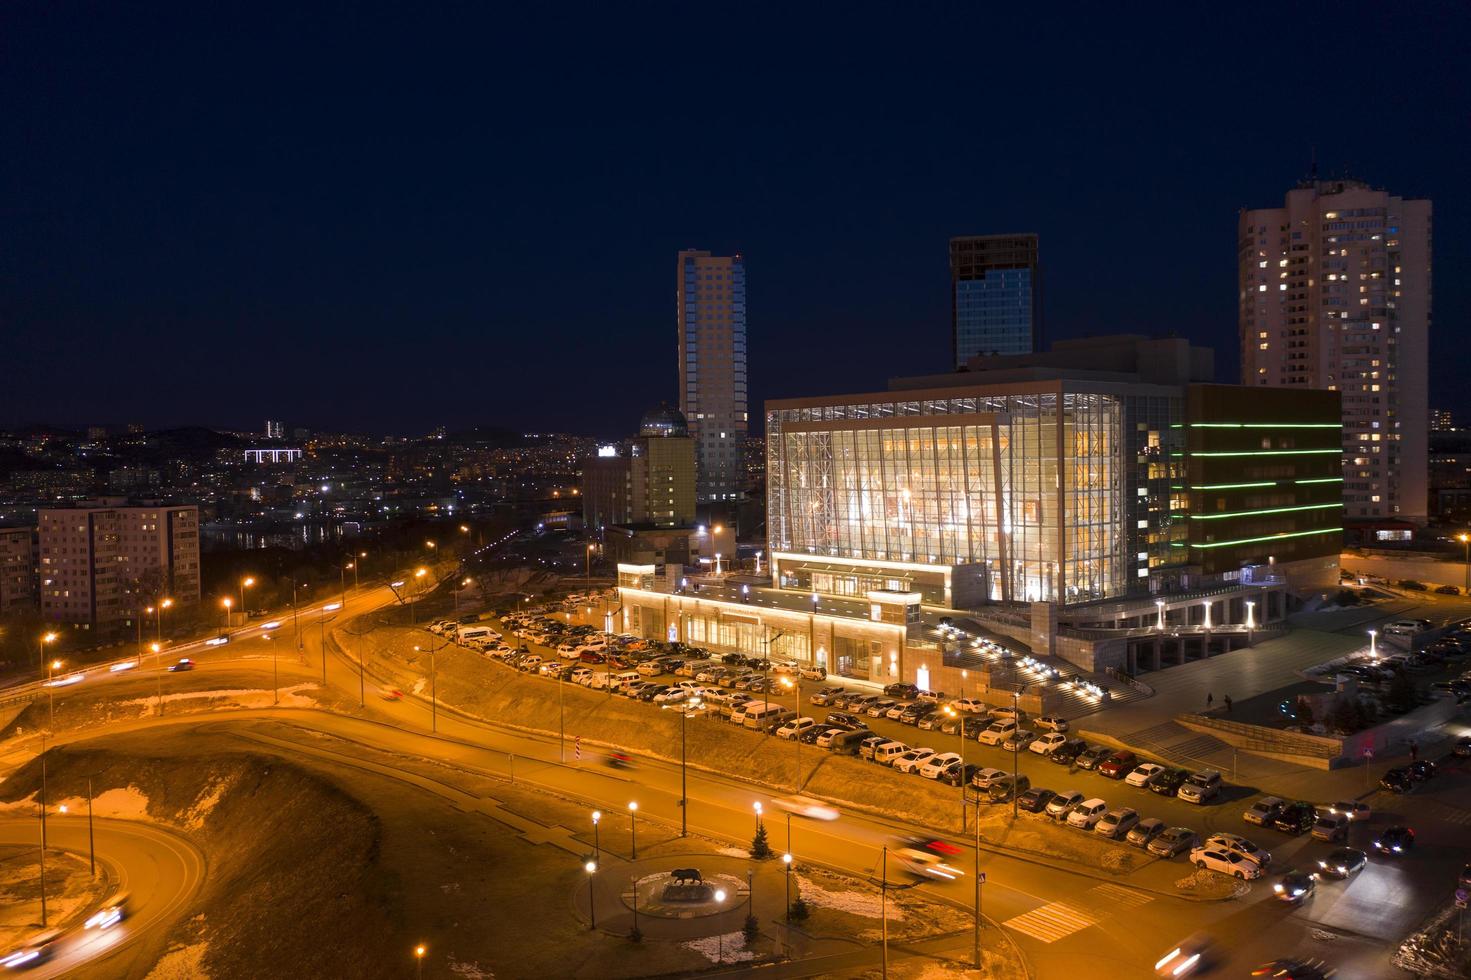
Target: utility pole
[884, 907]
[43, 832]
[91, 839]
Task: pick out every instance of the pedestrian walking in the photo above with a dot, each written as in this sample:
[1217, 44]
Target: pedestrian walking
[1210, 699]
[1227, 699]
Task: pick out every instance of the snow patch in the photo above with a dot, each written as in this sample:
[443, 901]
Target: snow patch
[238, 698]
[869, 905]
[194, 818]
[122, 804]
[25, 806]
[183, 963]
[419, 685]
[735, 852]
[469, 971]
[727, 948]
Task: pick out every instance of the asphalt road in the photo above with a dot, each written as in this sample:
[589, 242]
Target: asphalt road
[1068, 921]
[161, 870]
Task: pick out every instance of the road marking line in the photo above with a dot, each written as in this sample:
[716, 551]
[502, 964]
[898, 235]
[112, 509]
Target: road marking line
[1117, 896]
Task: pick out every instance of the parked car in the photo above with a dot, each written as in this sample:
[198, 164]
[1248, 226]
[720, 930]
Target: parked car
[997, 732]
[1035, 800]
[1062, 804]
[901, 691]
[1052, 723]
[1226, 862]
[985, 777]
[1091, 758]
[1296, 818]
[1239, 844]
[878, 708]
[1086, 815]
[1342, 862]
[1201, 787]
[1006, 787]
[931, 697]
[938, 763]
[1142, 773]
[824, 696]
[911, 761]
[914, 712]
[970, 705]
[1172, 841]
[1421, 770]
[1068, 752]
[867, 746]
[1118, 764]
[1398, 839]
[1167, 782]
[1295, 886]
[1117, 823]
[1145, 831]
[1019, 740]
[795, 727]
[1264, 811]
[843, 718]
[825, 740]
[1048, 744]
[958, 775]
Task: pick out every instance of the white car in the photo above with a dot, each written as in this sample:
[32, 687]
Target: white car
[795, 727]
[1062, 804]
[1049, 743]
[911, 761]
[971, 705]
[550, 669]
[937, 764]
[671, 695]
[1052, 723]
[984, 778]
[1226, 862]
[996, 733]
[1240, 845]
[805, 806]
[1086, 815]
[1142, 772]
[1117, 823]
[893, 713]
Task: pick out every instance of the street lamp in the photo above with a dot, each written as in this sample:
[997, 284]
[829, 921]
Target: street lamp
[433, 691]
[720, 936]
[51, 669]
[1373, 650]
[1159, 604]
[757, 807]
[633, 829]
[1250, 620]
[158, 669]
[1207, 614]
[245, 583]
[960, 739]
[587, 563]
[1465, 539]
[597, 847]
[591, 868]
[684, 799]
[786, 860]
[227, 602]
[419, 952]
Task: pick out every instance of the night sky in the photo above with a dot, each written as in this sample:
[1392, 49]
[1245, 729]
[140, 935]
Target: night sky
[389, 218]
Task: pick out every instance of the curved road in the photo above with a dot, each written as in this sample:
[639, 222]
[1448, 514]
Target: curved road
[160, 869]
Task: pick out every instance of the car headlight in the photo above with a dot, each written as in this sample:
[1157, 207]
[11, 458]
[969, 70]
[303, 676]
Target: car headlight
[1396, 848]
[1278, 889]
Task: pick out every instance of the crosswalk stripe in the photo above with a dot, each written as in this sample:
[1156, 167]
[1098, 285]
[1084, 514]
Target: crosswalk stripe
[1127, 897]
[1050, 922]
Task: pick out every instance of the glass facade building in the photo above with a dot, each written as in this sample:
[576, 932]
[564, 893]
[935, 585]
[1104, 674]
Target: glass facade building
[995, 295]
[711, 310]
[986, 493]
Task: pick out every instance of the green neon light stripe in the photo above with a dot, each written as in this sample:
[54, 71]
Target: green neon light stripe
[1265, 425]
[1275, 452]
[1269, 537]
[1233, 486]
[1326, 479]
[1256, 513]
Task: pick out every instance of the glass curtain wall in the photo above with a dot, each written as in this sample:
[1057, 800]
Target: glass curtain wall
[1032, 491]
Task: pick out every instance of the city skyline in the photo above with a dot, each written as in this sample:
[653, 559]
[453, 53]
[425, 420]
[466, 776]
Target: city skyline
[287, 233]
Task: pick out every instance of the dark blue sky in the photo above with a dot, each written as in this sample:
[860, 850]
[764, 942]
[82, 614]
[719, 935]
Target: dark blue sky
[361, 217]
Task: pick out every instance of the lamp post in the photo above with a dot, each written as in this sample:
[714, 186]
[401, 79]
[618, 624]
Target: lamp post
[1373, 649]
[419, 952]
[1207, 605]
[51, 668]
[757, 807]
[786, 860]
[796, 687]
[976, 925]
[356, 562]
[587, 563]
[633, 829]
[597, 847]
[1159, 605]
[295, 612]
[1015, 749]
[227, 602]
[1465, 540]
[433, 690]
[43, 832]
[91, 838]
[48, 637]
[158, 619]
[158, 669]
[413, 611]
[1250, 620]
[684, 799]
[960, 738]
[245, 583]
[719, 936]
[591, 868]
[766, 668]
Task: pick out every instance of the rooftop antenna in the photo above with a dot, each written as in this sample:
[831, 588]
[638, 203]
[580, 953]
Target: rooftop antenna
[1313, 173]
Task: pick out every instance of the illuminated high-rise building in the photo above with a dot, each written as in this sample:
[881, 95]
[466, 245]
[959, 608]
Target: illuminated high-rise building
[1334, 292]
[711, 314]
[995, 295]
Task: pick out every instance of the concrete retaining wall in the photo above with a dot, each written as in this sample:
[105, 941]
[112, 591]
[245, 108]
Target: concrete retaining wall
[1426, 570]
